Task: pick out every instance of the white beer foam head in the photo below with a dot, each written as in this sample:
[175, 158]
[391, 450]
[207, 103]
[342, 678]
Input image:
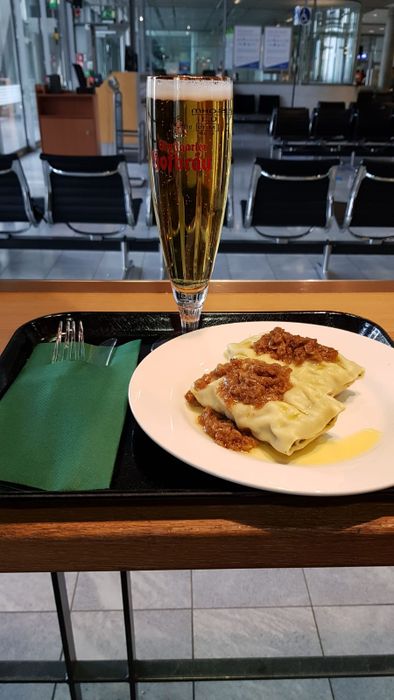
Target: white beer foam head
[180, 88]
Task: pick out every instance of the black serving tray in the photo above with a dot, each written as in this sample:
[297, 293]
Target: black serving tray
[144, 470]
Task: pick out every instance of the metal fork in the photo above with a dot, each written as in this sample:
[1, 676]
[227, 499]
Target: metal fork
[69, 343]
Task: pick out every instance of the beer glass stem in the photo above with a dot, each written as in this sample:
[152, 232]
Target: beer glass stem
[190, 308]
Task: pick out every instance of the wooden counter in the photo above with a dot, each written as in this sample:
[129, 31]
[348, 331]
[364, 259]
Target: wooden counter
[270, 531]
[20, 301]
[69, 124]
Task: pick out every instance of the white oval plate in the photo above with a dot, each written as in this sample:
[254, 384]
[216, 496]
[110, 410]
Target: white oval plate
[159, 383]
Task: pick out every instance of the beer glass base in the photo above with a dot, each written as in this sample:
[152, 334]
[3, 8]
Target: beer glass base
[190, 307]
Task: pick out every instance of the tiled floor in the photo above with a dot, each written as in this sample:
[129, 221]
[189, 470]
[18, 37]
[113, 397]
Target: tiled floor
[202, 614]
[188, 614]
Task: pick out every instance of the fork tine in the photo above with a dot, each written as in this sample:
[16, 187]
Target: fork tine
[56, 349]
[81, 342]
[67, 341]
[69, 345]
[73, 345]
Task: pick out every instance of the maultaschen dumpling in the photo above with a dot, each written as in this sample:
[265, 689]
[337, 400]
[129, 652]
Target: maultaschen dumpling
[277, 388]
[262, 399]
[312, 363]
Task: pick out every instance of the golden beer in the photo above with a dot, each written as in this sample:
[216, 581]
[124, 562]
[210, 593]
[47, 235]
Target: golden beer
[189, 122]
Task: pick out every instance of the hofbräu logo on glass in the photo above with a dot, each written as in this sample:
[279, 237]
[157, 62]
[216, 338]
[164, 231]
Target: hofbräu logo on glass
[170, 157]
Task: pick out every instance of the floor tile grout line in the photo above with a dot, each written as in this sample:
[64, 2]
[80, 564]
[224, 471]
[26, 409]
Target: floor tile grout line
[74, 591]
[313, 613]
[192, 627]
[47, 276]
[200, 608]
[317, 626]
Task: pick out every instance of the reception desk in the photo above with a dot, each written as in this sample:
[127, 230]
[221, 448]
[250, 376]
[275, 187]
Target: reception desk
[69, 123]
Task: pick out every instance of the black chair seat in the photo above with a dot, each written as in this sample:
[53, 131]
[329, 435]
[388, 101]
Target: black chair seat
[373, 123]
[290, 194]
[90, 190]
[244, 104]
[332, 123]
[290, 123]
[267, 104]
[370, 203]
[16, 204]
[330, 104]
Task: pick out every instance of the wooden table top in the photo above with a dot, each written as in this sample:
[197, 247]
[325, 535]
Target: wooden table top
[271, 531]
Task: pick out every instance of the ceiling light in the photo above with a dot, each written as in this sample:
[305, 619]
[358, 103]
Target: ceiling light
[188, 27]
[236, 2]
[141, 18]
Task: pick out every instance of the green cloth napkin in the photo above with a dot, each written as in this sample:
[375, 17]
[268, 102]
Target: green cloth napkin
[60, 424]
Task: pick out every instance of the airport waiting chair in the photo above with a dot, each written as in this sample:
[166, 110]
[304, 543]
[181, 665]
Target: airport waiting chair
[244, 104]
[365, 98]
[373, 123]
[290, 123]
[330, 123]
[331, 104]
[289, 127]
[370, 202]
[16, 203]
[91, 190]
[291, 198]
[267, 104]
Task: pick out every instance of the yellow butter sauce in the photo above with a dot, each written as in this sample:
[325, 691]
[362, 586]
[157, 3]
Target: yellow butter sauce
[325, 450]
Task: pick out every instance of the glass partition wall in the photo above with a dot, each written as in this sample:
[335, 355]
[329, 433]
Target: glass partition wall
[184, 38]
[261, 41]
[30, 49]
[12, 129]
[236, 36]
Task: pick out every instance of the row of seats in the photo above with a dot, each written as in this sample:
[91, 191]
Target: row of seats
[300, 195]
[282, 193]
[373, 123]
[248, 107]
[96, 190]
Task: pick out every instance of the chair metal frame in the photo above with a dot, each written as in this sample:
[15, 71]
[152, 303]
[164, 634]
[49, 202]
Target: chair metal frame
[279, 140]
[121, 170]
[16, 168]
[362, 173]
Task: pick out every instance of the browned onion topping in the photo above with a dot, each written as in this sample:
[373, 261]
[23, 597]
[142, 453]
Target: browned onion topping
[248, 381]
[288, 348]
[225, 433]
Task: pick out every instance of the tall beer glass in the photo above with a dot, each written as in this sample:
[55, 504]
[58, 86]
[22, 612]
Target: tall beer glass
[189, 125]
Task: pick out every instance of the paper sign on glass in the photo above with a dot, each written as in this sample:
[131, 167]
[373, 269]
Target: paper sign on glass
[247, 46]
[277, 47]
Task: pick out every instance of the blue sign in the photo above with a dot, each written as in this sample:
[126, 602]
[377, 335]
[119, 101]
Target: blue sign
[302, 15]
